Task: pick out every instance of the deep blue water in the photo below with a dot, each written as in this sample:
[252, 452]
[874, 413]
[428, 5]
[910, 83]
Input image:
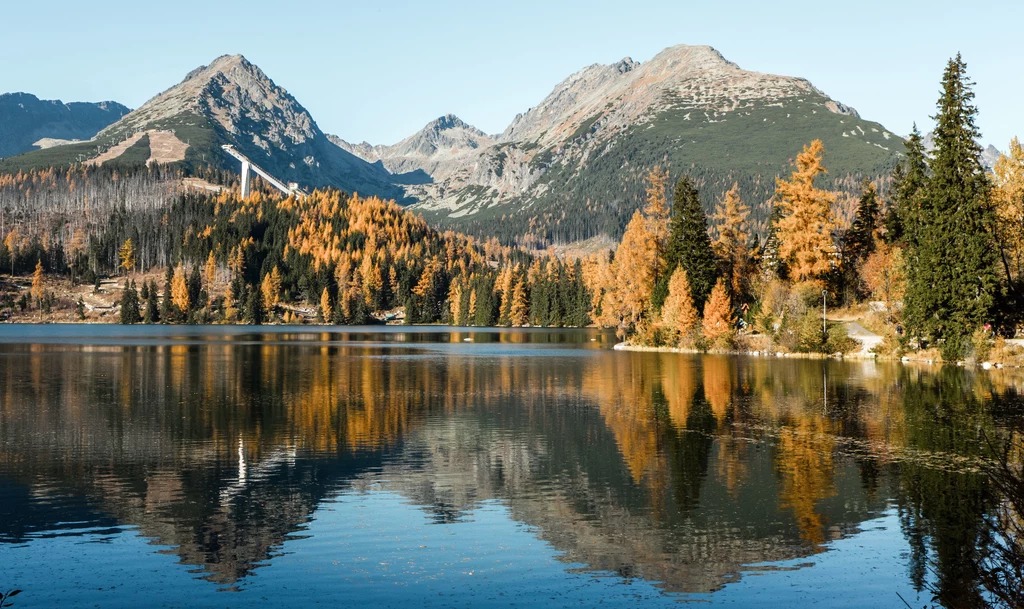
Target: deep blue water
[221, 467]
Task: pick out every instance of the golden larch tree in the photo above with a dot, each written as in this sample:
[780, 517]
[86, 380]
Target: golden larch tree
[520, 312]
[455, 302]
[11, 241]
[471, 313]
[884, 274]
[718, 318]
[325, 306]
[634, 273]
[656, 211]
[271, 289]
[211, 269]
[732, 245]
[679, 312]
[805, 228]
[1008, 197]
[38, 282]
[127, 255]
[179, 290]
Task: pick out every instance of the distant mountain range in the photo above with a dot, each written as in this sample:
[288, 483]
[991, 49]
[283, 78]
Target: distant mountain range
[574, 166]
[568, 169]
[29, 123]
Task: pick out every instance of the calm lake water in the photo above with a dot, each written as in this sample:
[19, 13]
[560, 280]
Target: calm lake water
[222, 467]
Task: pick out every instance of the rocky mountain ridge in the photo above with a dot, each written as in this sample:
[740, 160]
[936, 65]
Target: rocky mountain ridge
[26, 121]
[583, 150]
[442, 147]
[247, 109]
[232, 101]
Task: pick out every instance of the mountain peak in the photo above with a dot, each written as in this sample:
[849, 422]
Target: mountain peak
[700, 56]
[603, 98]
[626, 64]
[449, 122]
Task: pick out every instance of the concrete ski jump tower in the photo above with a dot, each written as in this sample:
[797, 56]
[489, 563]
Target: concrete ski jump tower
[248, 167]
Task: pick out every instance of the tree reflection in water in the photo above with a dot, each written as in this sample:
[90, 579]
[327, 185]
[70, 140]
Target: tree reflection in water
[678, 469]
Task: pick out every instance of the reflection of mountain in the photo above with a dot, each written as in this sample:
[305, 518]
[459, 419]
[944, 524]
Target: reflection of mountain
[679, 470]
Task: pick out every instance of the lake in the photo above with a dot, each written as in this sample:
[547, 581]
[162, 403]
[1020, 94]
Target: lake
[442, 467]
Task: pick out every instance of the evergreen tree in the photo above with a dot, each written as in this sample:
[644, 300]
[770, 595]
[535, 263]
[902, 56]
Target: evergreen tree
[255, 312]
[80, 309]
[772, 264]
[167, 304]
[579, 311]
[152, 311]
[130, 305]
[859, 240]
[952, 279]
[195, 289]
[909, 179]
[689, 246]
[892, 221]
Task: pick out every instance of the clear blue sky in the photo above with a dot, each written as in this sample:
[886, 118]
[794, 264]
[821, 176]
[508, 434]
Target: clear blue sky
[378, 71]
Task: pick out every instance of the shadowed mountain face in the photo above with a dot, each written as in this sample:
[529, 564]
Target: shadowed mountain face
[677, 470]
[25, 120]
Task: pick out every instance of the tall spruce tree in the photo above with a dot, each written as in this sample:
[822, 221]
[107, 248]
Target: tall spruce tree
[689, 246]
[152, 310]
[130, 305]
[167, 304]
[255, 312]
[908, 184]
[859, 240]
[951, 276]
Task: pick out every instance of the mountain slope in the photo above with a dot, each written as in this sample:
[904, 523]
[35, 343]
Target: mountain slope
[25, 120]
[573, 166]
[231, 101]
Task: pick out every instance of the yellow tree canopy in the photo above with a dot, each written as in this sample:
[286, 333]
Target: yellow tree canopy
[1008, 197]
[884, 273]
[718, 319]
[325, 305]
[733, 242]
[656, 209]
[520, 313]
[211, 269]
[634, 273]
[127, 255]
[38, 281]
[679, 312]
[805, 229]
[179, 290]
[271, 288]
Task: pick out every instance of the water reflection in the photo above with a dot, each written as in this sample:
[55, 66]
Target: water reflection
[676, 469]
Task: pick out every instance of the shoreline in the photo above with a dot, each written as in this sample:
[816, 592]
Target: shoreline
[856, 356]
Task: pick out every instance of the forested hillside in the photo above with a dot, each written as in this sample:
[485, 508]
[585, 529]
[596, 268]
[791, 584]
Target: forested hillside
[328, 256]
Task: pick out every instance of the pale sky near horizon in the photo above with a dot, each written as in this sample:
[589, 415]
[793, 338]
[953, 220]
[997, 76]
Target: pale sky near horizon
[380, 71]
